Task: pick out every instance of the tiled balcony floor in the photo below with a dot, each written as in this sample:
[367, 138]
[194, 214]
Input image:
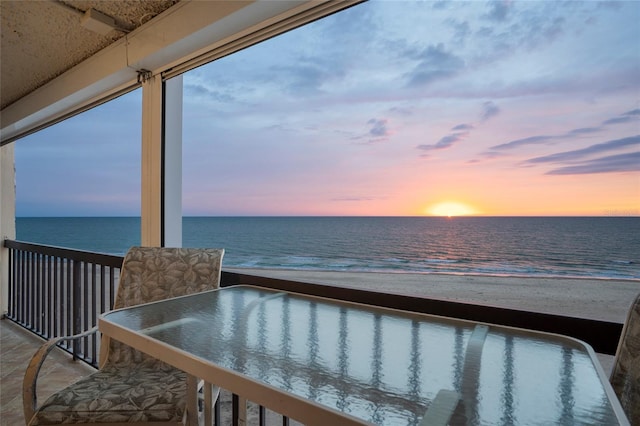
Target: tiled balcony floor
[17, 346]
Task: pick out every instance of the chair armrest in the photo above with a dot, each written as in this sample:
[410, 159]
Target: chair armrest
[29, 397]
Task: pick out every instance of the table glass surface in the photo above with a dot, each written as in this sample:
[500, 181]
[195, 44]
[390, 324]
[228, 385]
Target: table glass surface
[383, 366]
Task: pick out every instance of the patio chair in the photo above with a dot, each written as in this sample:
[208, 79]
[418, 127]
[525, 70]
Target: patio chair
[625, 376]
[131, 387]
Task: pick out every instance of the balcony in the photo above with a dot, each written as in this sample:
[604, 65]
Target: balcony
[52, 281]
[75, 287]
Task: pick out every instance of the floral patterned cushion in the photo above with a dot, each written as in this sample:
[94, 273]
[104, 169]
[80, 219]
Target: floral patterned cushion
[625, 377]
[140, 393]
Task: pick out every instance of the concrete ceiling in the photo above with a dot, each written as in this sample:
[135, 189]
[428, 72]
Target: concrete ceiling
[43, 39]
[53, 67]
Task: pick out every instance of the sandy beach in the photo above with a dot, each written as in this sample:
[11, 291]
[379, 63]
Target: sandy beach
[601, 299]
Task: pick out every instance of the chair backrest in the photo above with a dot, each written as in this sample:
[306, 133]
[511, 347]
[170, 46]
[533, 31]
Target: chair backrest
[149, 274]
[625, 377]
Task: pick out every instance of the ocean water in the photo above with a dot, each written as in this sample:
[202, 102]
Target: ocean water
[595, 247]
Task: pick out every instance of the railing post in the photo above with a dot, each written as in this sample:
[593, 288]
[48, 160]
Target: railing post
[11, 289]
[77, 309]
[21, 285]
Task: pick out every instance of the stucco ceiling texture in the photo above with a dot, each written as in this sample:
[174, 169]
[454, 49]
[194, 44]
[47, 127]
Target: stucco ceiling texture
[43, 39]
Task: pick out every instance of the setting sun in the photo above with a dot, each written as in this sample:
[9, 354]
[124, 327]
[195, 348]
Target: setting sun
[451, 208]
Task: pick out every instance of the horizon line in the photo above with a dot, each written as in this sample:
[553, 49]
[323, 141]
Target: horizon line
[343, 216]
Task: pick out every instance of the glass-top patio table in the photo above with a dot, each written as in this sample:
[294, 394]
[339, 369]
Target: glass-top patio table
[327, 362]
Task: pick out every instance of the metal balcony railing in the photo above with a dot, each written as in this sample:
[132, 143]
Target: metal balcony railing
[56, 291]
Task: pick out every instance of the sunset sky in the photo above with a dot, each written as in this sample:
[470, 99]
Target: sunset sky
[387, 108]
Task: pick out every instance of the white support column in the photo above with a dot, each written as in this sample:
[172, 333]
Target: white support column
[173, 162]
[151, 179]
[161, 210]
[7, 217]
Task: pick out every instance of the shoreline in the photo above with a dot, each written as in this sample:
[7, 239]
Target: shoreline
[606, 299]
[403, 272]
